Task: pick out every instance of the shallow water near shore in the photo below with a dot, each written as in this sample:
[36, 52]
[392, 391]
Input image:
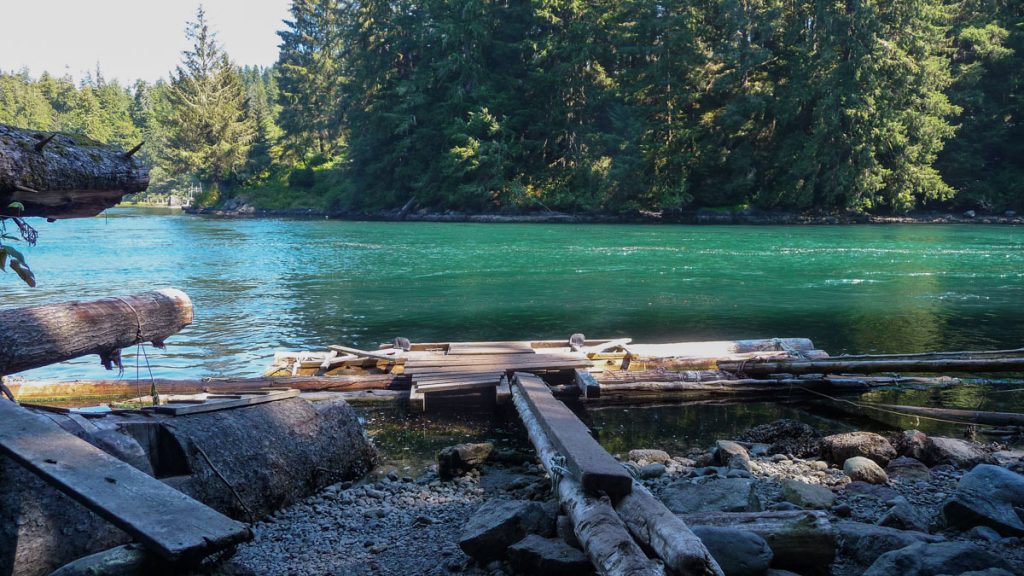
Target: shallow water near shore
[272, 284]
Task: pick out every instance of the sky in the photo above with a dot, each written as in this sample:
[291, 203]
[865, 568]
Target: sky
[130, 39]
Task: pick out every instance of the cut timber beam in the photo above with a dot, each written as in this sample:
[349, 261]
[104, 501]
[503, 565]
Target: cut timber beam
[41, 335]
[213, 403]
[168, 522]
[588, 462]
[364, 353]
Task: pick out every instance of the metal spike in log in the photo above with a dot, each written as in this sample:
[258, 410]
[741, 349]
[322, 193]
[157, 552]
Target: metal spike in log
[42, 143]
[41, 335]
[135, 149]
[77, 178]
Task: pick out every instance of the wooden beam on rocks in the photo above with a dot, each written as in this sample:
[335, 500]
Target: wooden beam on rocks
[588, 462]
[63, 175]
[41, 335]
[599, 529]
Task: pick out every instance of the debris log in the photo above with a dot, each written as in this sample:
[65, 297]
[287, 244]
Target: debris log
[833, 366]
[41, 335]
[63, 175]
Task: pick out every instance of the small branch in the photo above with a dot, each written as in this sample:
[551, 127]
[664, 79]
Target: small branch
[25, 189]
[132, 152]
[42, 143]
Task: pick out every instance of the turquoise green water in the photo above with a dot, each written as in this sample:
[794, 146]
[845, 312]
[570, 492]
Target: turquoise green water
[265, 285]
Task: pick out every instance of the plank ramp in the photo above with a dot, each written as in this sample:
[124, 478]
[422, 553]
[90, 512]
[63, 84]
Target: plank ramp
[169, 523]
[587, 461]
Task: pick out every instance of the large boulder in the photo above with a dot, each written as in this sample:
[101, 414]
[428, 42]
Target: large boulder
[935, 559]
[987, 496]
[457, 460]
[806, 495]
[548, 557]
[500, 523]
[863, 469]
[738, 552]
[724, 495]
[959, 453]
[838, 448]
[785, 437]
[864, 543]
[731, 454]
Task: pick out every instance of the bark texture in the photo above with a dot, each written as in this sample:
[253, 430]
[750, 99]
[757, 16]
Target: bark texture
[69, 177]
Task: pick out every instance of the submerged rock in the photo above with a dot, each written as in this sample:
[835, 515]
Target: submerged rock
[987, 496]
[862, 469]
[724, 495]
[541, 556]
[500, 523]
[738, 552]
[841, 447]
[935, 559]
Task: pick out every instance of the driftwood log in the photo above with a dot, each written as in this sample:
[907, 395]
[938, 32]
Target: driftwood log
[833, 366]
[40, 335]
[63, 176]
[599, 529]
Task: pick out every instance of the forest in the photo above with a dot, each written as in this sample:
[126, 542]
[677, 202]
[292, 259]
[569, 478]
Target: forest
[586, 106]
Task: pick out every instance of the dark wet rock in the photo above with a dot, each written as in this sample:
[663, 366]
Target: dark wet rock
[807, 495]
[649, 471]
[959, 453]
[910, 443]
[875, 491]
[864, 543]
[726, 452]
[838, 448]
[722, 495]
[861, 469]
[738, 552]
[541, 556]
[987, 496]
[785, 437]
[500, 523]
[923, 559]
[988, 572]
[904, 516]
[842, 510]
[984, 533]
[127, 560]
[907, 467]
[456, 460]
[780, 573]
[648, 456]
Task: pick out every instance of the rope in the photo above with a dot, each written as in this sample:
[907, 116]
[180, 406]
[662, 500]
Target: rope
[252, 517]
[895, 412]
[558, 470]
[140, 347]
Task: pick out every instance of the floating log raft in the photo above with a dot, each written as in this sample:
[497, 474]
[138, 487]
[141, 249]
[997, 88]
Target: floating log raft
[41, 335]
[62, 175]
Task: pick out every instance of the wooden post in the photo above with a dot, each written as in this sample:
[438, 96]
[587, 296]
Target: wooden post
[40, 335]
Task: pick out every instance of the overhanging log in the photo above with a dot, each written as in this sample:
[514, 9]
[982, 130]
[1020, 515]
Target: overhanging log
[41, 335]
[69, 176]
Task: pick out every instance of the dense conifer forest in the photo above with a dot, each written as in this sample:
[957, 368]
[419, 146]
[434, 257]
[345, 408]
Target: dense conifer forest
[586, 106]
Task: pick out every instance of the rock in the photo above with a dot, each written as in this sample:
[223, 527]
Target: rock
[1010, 213]
[500, 523]
[841, 447]
[548, 557]
[986, 496]
[864, 543]
[649, 471]
[566, 531]
[910, 443]
[959, 453]
[924, 559]
[904, 516]
[738, 552]
[984, 533]
[723, 495]
[457, 460]
[1008, 458]
[127, 560]
[648, 456]
[842, 510]
[862, 469]
[780, 573]
[725, 452]
[807, 495]
[906, 467]
[785, 437]
[122, 447]
[970, 214]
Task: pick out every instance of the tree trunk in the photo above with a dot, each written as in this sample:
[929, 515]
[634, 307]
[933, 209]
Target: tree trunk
[64, 177]
[874, 366]
[41, 335]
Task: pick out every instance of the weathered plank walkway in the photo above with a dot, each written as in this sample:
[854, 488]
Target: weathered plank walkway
[172, 525]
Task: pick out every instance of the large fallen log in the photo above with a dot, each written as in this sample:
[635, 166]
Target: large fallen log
[40, 335]
[834, 366]
[63, 176]
[976, 416]
[599, 529]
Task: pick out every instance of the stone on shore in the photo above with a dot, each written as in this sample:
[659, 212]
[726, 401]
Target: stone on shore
[904, 516]
[864, 543]
[724, 495]
[731, 454]
[806, 495]
[785, 436]
[839, 448]
[934, 560]
[498, 524]
[987, 496]
[456, 460]
[910, 443]
[907, 467]
[548, 557]
[863, 469]
[956, 452]
[649, 456]
[738, 552]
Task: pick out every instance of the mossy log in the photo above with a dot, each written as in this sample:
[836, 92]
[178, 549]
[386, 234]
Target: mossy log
[62, 175]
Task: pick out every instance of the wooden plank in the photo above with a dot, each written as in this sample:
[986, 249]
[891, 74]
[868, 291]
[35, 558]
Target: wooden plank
[364, 353]
[467, 385]
[535, 344]
[501, 367]
[587, 384]
[458, 377]
[589, 463]
[495, 348]
[213, 406]
[168, 522]
[496, 359]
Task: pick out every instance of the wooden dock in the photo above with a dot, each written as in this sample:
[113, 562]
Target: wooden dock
[167, 522]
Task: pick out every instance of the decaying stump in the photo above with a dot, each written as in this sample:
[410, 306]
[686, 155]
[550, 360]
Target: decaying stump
[41, 335]
[63, 176]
